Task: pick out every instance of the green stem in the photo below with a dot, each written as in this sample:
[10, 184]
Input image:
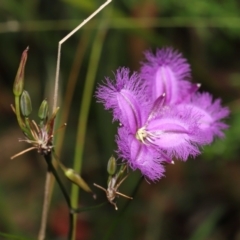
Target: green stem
[84, 209]
[51, 168]
[84, 110]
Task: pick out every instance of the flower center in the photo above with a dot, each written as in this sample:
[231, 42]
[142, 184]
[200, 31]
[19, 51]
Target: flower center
[145, 136]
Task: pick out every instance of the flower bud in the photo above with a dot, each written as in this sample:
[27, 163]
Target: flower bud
[112, 165]
[25, 104]
[19, 79]
[43, 110]
[77, 179]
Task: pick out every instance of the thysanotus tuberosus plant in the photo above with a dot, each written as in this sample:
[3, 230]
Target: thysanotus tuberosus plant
[41, 135]
[162, 117]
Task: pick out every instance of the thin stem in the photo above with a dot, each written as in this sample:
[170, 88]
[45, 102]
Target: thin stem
[51, 169]
[84, 108]
[65, 39]
[84, 209]
[49, 184]
[71, 85]
[47, 196]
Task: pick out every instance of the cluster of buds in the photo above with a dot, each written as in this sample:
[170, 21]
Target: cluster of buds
[115, 179]
[38, 135]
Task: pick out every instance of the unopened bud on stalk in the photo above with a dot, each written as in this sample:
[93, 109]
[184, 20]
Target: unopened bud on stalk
[77, 179]
[112, 165]
[25, 104]
[19, 79]
[43, 110]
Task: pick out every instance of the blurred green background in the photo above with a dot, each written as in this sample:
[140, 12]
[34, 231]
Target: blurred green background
[196, 200]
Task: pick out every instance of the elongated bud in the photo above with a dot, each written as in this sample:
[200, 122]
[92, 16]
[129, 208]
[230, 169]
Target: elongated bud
[25, 104]
[112, 165]
[77, 179]
[43, 110]
[19, 79]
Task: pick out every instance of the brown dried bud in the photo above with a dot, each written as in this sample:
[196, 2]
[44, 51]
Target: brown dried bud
[19, 79]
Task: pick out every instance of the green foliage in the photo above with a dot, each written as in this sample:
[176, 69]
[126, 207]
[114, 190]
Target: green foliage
[82, 5]
[207, 227]
[12, 237]
[227, 149]
[204, 8]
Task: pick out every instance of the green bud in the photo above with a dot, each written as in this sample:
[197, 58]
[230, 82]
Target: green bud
[77, 179]
[43, 110]
[19, 79]
[112, 165]
[25, 104]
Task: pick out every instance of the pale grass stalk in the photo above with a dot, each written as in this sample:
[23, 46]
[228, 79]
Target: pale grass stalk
[46, 201]
[71, 84]
[64, 40]
[49, 177]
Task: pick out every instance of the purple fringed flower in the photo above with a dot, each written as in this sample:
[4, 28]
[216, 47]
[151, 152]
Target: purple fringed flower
[129, 105]
[162, 115]
[125, 86]
[167, 72]
[210, 113]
